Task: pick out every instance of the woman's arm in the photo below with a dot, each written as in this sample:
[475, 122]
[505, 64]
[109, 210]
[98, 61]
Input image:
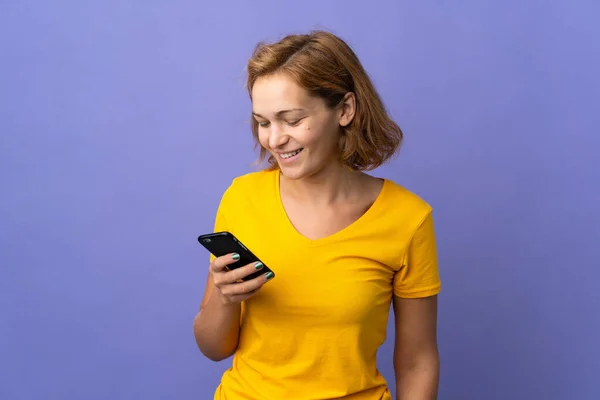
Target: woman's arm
[416, 357]
[217, 325]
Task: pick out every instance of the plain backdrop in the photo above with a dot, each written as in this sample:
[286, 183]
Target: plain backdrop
[122, 122]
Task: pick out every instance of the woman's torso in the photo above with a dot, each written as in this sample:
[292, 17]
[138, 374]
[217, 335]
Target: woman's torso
[314, 331]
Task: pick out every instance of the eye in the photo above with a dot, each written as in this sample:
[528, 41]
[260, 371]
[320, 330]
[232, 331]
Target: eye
[294, 123]
[264, 124]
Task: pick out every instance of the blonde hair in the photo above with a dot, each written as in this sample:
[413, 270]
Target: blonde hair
[325, 66]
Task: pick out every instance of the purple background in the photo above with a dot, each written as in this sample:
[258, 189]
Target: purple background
[123, 121]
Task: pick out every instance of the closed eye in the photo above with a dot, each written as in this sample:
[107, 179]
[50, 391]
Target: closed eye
[294, 123]
[264, 124]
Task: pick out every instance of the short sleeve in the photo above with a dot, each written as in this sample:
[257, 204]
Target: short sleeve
[419, 275]
[220, 222]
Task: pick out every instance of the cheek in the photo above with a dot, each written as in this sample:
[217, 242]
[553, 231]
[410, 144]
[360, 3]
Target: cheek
[323, 137]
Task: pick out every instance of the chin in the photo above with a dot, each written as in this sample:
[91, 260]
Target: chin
[305, 167]
[293, 173]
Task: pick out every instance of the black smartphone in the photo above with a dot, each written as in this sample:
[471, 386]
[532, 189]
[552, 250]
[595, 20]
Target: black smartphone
[222, 243]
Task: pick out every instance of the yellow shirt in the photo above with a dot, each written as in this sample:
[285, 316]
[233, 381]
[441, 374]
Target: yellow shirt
[314, 330]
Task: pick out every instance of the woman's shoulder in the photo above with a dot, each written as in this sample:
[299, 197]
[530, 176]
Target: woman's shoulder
[248, 183]
[401, 198]
[253, 179]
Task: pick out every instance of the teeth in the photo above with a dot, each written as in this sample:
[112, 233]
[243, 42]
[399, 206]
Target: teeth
[290, 154]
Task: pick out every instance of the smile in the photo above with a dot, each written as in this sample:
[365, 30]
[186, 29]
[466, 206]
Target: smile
[290, 154]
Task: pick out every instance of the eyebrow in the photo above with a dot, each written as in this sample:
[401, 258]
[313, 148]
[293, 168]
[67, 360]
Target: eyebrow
[280, 113]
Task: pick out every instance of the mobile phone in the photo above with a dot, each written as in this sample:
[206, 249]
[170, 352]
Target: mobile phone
[222, 243]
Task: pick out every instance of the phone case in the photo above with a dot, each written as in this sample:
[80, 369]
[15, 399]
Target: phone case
[222, 243]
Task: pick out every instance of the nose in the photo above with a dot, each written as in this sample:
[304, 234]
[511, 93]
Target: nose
[277, 136]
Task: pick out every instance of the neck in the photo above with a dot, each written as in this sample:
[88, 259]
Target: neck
[327, 187]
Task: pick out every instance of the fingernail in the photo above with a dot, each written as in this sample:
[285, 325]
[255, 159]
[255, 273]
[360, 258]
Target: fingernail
[235, 256]
[269, 275]
[258, 265]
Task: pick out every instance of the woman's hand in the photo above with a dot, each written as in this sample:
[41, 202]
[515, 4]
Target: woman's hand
[230, 286]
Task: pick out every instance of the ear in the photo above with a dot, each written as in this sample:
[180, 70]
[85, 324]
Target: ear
[347, 109]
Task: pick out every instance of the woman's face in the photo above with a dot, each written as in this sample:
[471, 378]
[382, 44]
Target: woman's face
[299, 130]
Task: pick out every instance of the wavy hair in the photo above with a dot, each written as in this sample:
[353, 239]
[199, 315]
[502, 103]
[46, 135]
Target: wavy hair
[325, 66]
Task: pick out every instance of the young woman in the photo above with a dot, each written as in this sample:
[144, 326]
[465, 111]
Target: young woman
[343, 244]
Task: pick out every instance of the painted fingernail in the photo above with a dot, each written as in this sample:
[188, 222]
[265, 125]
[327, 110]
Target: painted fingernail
[269, 275]
[258, 265]
[235, 256]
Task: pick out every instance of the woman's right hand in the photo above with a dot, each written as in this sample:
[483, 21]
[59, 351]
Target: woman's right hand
[230, 286]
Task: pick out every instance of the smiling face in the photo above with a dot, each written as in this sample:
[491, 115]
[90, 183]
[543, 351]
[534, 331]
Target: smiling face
[297, 129]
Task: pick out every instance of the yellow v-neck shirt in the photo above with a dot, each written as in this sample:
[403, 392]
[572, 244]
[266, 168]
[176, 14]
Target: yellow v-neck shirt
[314, 330]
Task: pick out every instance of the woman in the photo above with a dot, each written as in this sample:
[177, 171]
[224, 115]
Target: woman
[344, 245]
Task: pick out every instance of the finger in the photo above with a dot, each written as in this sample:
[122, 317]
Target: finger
[245, 287]
[238, 274]
[220, 264]
[241, 297]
